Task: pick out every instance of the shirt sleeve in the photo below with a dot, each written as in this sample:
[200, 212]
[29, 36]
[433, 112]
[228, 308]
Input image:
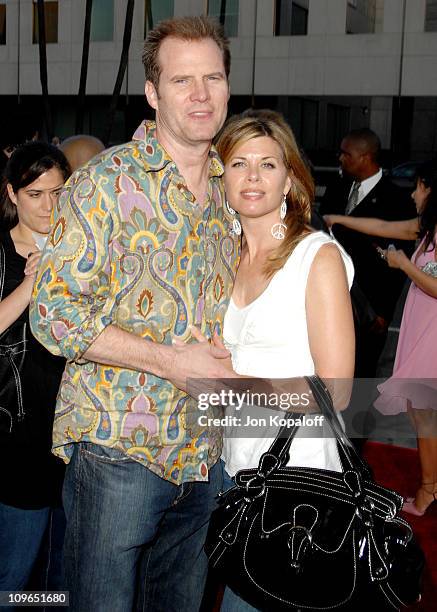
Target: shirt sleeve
[348, 264]
[71, 302]
[311, 247]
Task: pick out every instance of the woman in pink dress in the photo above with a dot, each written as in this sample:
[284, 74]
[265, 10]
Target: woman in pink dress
[413, 385]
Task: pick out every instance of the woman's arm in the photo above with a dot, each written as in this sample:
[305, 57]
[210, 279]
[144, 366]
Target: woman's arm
[403, 230]
[16, 302]
[330, 322]
[398, 259]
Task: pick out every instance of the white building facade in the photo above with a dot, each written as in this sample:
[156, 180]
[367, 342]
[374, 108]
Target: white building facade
[328, 65]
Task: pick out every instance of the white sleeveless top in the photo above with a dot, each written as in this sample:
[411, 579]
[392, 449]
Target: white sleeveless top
[269, 338]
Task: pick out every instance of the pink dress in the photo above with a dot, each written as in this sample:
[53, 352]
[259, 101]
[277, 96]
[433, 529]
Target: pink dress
[414, 380]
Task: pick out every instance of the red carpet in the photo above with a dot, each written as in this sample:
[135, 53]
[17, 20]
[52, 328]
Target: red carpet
[398, 468]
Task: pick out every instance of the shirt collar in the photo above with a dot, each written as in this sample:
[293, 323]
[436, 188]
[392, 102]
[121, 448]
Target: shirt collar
[157, 157]
[216, 167]
[369, 183]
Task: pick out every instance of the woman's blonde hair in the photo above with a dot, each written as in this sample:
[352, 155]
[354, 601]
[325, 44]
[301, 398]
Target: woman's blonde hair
[253, 124]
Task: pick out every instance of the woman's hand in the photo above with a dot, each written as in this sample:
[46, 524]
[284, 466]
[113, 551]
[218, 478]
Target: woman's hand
[30, 271]
[330, 220]
[32, 264]
[395, 258]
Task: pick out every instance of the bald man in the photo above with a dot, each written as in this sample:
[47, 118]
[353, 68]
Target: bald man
[363, 191]
[80, 149]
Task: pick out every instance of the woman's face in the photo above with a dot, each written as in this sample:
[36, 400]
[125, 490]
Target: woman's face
[256, 178]
[35, 201]
[420, 195]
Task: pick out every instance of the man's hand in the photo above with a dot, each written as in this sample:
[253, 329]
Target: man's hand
[218, 343]
[202, 360]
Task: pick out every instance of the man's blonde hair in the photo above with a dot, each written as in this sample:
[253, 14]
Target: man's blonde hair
[182, 28]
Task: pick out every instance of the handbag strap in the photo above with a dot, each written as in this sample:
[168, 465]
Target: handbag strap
[324, 400]
[2, 269]
[281, 444]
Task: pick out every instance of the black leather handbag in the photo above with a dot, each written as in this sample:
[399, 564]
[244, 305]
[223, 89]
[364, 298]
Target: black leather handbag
[297, 538]
[13, 346]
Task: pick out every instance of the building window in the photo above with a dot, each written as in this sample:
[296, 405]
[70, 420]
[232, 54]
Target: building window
[431, 16]
[291, 17]
[338, 124]
[102, 21]
[304, 120]
[226, 11]
[361, 16]
[155, 11]
[2, 24]
[50, 20]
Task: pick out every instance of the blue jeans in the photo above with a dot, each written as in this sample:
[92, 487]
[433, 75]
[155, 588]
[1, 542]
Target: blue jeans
[231, 602]
[22, 536]
[122, 519]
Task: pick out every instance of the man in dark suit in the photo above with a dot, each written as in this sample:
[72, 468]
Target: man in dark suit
[363, 191]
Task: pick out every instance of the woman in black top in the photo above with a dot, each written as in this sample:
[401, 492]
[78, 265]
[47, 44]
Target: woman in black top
[30, 476]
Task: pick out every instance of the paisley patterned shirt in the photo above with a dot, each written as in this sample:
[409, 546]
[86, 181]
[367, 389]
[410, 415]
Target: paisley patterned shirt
[130, 247]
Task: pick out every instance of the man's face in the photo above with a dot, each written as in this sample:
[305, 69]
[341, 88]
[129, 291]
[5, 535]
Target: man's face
[352, 158]
[193, 92]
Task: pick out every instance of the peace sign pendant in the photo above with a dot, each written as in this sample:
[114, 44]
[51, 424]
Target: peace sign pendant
[278, 231]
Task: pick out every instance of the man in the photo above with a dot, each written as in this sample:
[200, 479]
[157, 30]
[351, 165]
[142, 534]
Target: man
[139, 252]
[80, 148]
[363, 191]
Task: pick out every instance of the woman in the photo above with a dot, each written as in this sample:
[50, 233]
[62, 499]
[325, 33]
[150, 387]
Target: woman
[407, 390]
[30, 477]
[290, 312]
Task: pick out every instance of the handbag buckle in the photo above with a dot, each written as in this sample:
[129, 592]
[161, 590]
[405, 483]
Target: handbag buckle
[262, 487]
[299, 545]
[365, 510]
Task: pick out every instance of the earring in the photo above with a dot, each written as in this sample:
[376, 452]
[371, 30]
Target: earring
[283, 209]
[236, 225]
[278, 229]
